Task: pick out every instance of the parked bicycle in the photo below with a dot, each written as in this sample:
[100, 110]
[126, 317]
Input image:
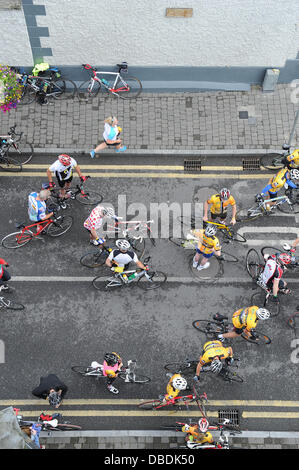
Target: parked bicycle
[86, 197]
[265, 207]
[127, 373]
[54, 227]
[112, 82]
[219, 325]
[276, 161]
[188, 366]
[178, 402]
[146, 280]
[54, 422]
[14, 152]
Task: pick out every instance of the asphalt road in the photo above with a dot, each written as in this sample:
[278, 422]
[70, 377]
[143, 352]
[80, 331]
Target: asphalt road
[67, 322]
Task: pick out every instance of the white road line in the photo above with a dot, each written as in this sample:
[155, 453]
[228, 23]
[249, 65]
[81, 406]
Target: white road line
[183, 280]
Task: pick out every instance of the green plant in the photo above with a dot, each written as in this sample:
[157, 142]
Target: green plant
[10, 89]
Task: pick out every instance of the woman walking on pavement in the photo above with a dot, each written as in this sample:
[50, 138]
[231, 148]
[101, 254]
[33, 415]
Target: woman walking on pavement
[111, 139]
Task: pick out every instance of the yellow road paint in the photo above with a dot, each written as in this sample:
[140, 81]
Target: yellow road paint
[153, 175]
[270, 414]
[140, 167]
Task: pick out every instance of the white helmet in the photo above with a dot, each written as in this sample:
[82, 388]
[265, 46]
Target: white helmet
[203, 424]
[123, 244]
[294, 174]
[108, 211]
[179, 383]
[263, 314]
[210, 230]
[216, 366]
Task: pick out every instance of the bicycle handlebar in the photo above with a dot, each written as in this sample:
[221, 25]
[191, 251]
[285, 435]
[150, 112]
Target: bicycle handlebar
[88, 67]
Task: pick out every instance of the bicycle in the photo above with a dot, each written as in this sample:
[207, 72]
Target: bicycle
[55, 423]
[220, 325]
[188, 366]
[211, 426]
[95, 259]
[52, 86]
[222, 443]
[112, 82]
[293, 195]
[88, 197]
[54, 227]
[263, 208]
[146, 280]
[10, 304]
[229, 233]
[127, 373]
[11, 145]
[136, 230]
[277, 161]
[178, 402]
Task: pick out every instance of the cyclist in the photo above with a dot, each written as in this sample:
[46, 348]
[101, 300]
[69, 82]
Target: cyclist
[112, 364]
[63, 168]
[208, 245]
[122, 256]
[37, 208]
[271, 277]
[212, 356]
[244, 320]
[283, 177]
[95, 221]
[176, 384]
[219, 203]
[4, 275]
[292, 160]
[197, 433]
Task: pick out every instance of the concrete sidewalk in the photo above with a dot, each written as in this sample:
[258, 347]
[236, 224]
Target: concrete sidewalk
[173, 121]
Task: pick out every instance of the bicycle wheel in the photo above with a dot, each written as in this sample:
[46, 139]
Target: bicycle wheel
[181, 367]
[65, 427]
[187, 221]
[134, 378]
[272, 161]
[150, 405]
[231, 235]
[17, 239]
[270, 250]
[230, 376]
[60, 226]
[106, 280]
[10, 164]
[259, 299]
[22, 151]
[137, 245]
[11, 304]
[248, 213]
[258, 338]
[94, 259]
[210, 328]
[228, 258]
[293, 206]
[62, 89]
[83, 370]
[211, 273]
[157, 279]
[88, 90]
[89, 198]
[129, 87]
[253, 264]
[28, 95]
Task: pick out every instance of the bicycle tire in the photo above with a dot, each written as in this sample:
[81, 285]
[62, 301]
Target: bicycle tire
[11, 242]
[270, 250]
[253, 264]
[181, 367]
[293, 207]
[182, 242]
[94, 259]
[150, 405]
[90, 198]
[248, 213]
[56, 229]
[230, 376]
[84, 92]
[62, 89]
[259, 299]
[10, 164]
[24, 152]
[260, 338]
[272, 161]
[100, 283]
[228, 257]
[208, 327]
[65, 427]
[138, 378]
[187, 221]
[82, 370]
[233, 236]
[137, 245]
[158, 278]
[211, 274]
[11, 304]
[134, 88]
[28, 95]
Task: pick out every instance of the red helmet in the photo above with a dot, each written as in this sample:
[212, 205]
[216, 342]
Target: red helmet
[225, 193]
[64, 159]
[284, 258]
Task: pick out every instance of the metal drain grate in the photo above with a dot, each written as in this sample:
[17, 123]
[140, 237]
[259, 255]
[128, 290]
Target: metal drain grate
[192, 165]
[251, 164]
[232, 415]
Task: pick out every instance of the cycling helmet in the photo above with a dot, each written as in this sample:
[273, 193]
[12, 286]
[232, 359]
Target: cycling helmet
[179, 383]
[210, 230]
[216, 366]
[263, 314]
[123, 245]
[111, 359]
[54, 399]
[224, 193]
[284, 258]
[108, 211]
[203, 424]
[294, 174]
[64, 159]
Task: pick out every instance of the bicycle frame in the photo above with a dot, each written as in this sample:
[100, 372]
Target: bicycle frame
[116, 227]
[97, 372]
[220, 226]
[113, 89]
[42, 225]
[193, 397]
[278, 200]
[120, 278]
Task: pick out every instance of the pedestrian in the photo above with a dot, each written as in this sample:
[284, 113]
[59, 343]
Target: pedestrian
[111, 137]
[51, 388]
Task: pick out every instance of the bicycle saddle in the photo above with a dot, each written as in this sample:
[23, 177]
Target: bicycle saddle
[219, 317]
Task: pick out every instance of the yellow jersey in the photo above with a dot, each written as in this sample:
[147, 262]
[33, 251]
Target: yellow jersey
[206, 244]
[245, 317]
[213, 349]
[278, 181]
[293, 158]
[172, 392]
[196, 436]
[219, 206]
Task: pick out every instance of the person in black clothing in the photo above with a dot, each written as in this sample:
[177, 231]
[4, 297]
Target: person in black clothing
[51, 388]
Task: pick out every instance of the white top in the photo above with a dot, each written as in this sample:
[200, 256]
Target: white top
[63, 172]
[110, 132]
[123, 258]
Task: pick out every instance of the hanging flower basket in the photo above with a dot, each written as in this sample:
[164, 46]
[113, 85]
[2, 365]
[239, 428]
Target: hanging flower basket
[10, 89]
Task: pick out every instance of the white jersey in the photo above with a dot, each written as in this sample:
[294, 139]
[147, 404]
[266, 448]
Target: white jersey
[110, 132]
[123, 258]
[63, 172]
